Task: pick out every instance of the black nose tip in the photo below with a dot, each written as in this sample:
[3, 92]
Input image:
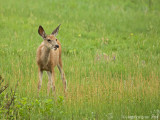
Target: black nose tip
[57, 46]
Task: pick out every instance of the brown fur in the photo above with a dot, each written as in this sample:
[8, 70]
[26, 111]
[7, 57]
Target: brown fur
[47, 59]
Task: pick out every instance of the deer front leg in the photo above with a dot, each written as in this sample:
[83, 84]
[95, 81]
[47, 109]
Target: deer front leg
[40, 74]
[63, 78]
[49, 82]
[53, 83]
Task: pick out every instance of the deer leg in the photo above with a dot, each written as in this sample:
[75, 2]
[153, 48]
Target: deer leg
[63, 78]
[49, 82]
[40, 73]
[53, 83]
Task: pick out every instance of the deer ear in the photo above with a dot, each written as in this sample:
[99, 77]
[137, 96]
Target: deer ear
[41, 32]
[55, 32]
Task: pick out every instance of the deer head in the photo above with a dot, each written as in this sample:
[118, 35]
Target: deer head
[50, 41]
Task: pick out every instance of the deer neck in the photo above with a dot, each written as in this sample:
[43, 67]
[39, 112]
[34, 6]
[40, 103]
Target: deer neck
[45, 55]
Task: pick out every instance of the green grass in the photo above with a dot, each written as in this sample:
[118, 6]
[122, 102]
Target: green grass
[110, 53]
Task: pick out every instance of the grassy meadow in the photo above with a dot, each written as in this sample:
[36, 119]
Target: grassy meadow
[110, 54]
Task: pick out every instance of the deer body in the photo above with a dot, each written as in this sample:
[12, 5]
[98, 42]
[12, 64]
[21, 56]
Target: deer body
[48, 57]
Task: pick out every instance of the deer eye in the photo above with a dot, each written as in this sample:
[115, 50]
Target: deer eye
[49, 40]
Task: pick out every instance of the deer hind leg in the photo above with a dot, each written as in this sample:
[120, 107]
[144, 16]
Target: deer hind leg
[49, 82]
[40, 73]
[63, 78]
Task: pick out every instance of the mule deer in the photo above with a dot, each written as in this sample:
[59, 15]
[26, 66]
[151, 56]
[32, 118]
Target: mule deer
[49, 56]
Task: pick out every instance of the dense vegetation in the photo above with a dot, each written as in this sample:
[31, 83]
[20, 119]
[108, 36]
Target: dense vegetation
[110, 53]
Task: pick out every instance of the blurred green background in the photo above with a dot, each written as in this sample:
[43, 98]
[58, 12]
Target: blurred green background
[110, 54]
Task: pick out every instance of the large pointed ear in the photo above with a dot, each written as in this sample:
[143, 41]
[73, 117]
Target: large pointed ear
[41, 32]
[55, 32]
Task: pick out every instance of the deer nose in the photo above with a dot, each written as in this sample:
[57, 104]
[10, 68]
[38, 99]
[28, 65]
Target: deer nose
[57, 46]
